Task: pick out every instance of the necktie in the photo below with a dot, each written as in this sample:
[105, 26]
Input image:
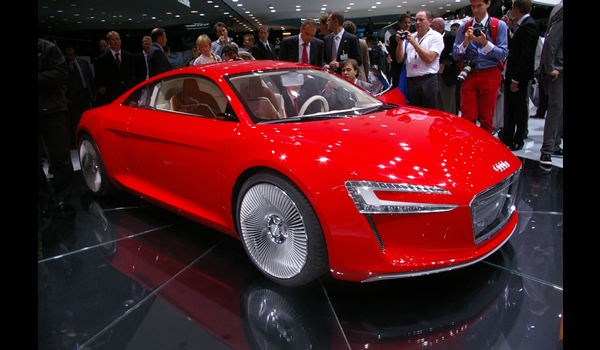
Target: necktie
[334, 51]
[304, 53]
[269, 52]
[77, 75]
[118, 59]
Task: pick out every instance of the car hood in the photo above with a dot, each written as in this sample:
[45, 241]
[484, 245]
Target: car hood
[405, 145]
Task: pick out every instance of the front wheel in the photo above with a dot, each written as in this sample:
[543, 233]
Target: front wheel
[280, 230]
[92, 167]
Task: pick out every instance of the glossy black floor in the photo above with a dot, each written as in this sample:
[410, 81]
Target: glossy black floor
[121, 273]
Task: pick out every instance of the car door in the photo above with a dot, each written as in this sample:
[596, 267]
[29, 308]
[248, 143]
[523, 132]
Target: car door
[179, 144]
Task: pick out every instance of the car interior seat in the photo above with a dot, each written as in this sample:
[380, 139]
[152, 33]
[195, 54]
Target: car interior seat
[192, 100]
[261, 100]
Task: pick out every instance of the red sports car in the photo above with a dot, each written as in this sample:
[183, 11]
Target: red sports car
[311, 172]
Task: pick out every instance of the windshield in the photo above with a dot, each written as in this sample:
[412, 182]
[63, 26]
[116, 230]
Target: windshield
[299, 94]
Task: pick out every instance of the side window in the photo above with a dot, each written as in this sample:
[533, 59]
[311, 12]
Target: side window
[141, 97]
[191, 95]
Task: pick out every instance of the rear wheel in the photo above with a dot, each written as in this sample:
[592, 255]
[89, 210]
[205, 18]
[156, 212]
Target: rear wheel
[280, 230]
[92, 167]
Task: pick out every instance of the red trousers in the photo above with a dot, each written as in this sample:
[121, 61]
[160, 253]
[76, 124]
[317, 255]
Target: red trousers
[478, 95]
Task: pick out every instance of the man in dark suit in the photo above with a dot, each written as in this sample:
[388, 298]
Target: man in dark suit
[263, 49]
[446, 97]
[81, 90]
[114, 71]
[552, 63]
[292, 48]
[157, 60]
[519, 73]
[295, 95]
[340, 45]
[140, 60]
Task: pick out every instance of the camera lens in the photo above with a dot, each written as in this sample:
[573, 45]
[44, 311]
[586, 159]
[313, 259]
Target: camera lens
[477, 32]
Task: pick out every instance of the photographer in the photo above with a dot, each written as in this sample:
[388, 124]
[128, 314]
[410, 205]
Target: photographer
[483, 42]
[422, 60]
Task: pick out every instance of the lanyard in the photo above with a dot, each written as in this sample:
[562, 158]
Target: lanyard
[420, 41]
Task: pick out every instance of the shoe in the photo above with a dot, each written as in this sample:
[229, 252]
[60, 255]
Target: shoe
[546, 159]
[517, 146]
[558, 153]
[546, 167]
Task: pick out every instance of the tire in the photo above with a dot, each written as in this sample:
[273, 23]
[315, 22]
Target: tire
[280, 230]
[92, 168]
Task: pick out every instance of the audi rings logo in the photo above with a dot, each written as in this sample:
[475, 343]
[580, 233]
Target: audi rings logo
[501, 166]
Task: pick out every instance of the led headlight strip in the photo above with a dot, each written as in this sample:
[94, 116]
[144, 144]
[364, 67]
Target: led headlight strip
[363, 195]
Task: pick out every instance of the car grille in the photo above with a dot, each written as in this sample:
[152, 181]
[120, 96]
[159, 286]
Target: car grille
[493, 208]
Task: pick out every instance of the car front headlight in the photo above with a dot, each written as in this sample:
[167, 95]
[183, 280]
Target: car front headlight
[367, 202]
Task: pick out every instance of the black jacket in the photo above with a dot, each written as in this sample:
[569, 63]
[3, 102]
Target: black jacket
[521, 52]
[53, 73]
[290, 47]
[349, 45]
[116, 80]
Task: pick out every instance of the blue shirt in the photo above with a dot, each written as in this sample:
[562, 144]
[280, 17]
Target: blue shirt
[484, 56]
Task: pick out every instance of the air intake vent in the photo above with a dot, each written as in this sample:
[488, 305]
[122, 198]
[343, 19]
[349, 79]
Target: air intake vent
[493, 208]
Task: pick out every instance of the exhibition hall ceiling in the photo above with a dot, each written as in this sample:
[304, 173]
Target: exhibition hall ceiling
[240, 15]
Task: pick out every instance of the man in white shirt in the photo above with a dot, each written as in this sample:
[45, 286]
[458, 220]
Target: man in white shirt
[422, 60]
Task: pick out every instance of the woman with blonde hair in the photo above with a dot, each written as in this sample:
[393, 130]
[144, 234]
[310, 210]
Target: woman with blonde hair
[206, 56]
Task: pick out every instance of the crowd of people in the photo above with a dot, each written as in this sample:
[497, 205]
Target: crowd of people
[428, 63]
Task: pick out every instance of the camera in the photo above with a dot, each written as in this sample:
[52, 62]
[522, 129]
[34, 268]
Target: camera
[468, 65]
[477, 32]
[403, 35]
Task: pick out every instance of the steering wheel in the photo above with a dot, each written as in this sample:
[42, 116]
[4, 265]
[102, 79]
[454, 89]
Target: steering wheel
[311, 100]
